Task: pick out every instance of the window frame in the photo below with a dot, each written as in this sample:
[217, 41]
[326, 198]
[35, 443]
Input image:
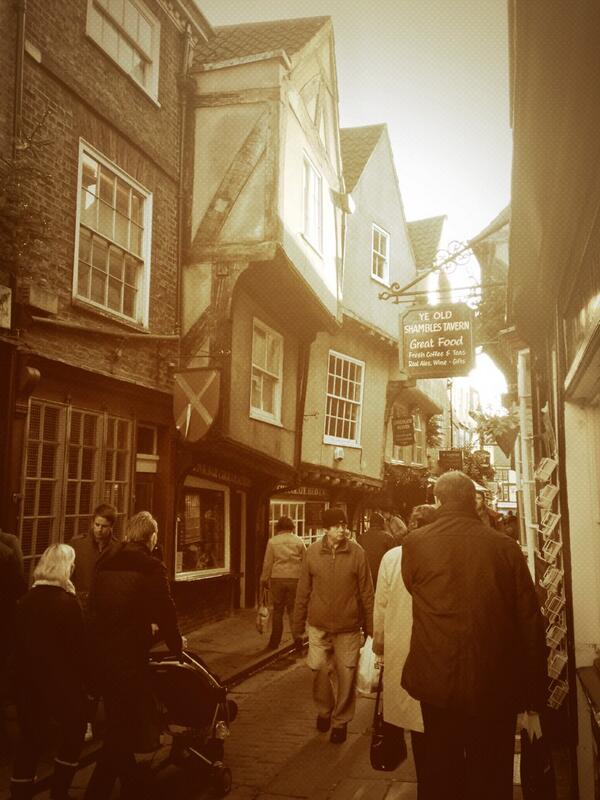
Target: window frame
[153, 58]
[101, 492]
[191, 483]
[309, 168]
[141, 318]
[336, 440]
[399, 452]
[387, 238]
[259, 413]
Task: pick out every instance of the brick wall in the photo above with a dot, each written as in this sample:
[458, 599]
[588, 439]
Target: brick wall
[85, 95]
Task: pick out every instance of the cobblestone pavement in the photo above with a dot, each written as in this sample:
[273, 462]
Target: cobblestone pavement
[275, 752]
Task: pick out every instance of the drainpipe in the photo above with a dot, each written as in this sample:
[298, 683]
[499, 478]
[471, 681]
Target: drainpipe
[21, 8]
[526, 434]
[183, 111]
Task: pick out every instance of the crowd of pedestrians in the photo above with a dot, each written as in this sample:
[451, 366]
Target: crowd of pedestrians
[448, 600]
[67, 651]
[455, 619]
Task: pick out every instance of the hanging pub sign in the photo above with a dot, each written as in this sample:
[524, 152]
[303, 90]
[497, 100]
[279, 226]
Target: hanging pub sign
[437, 341]
[450, 459]
[482, 457]
[403, 431]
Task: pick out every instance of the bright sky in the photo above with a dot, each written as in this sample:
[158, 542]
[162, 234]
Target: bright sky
[436, 71]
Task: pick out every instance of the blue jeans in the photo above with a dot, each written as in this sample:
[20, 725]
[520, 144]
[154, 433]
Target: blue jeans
[283, 594]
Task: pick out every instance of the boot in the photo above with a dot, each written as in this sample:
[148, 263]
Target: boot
[61, 780]
[21, 789]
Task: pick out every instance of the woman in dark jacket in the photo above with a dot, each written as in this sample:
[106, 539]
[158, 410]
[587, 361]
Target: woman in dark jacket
[49, 673]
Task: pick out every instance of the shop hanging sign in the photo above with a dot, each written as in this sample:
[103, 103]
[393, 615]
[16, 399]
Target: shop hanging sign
[437, 341]
[195, 401]
[403, 431]
[450, 459]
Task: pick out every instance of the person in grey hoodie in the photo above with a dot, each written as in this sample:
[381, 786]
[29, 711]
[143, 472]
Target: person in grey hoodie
[281, 570]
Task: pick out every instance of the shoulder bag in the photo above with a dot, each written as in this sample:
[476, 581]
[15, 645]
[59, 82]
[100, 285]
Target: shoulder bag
[388, 747]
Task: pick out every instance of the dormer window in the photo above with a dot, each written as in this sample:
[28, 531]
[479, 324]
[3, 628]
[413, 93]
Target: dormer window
[380, 255]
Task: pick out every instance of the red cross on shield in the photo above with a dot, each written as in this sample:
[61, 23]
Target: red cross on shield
[195, 401]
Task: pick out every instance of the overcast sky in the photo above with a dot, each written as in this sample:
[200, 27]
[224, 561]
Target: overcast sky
[436, 71]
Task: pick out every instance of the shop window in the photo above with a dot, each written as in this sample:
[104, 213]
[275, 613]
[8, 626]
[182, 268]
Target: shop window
[380, 255]
[307, 516]
[129, 34]
[113, 240]
[267, 370]
[344, 400]
[313, 204]
[203, 530]
[74, 460]
[146, 459]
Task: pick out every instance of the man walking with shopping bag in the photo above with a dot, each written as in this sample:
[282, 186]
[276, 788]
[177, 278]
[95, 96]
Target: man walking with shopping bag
[335, 595]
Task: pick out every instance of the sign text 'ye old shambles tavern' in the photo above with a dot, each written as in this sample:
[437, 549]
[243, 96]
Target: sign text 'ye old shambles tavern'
[437, 341]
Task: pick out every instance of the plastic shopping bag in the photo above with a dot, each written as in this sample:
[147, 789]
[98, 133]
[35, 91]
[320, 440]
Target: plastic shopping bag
[263, 612]
[367, 676]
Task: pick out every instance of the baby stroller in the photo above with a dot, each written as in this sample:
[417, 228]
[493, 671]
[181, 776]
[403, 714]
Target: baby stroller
[196, 714]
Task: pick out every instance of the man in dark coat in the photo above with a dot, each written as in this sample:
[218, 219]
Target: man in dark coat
[376, 541]
[89, 547]
[477, 655]
[130, 592]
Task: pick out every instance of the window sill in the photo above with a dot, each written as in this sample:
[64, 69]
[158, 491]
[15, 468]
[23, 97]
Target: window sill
[79, 302]
[256, 415]
[383, 282]
[200, 575]
[341, 443]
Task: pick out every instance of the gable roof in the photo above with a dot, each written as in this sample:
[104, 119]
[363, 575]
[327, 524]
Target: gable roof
[424, 236]
[255, 38]
[357, 144]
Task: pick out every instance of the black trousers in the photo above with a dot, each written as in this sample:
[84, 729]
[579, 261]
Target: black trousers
[283, 592]
[467, 757]
[36, 722]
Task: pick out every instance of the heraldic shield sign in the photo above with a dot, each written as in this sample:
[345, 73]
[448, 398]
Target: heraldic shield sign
[195, 401]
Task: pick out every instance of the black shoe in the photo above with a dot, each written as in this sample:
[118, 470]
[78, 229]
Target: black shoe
[323, 724]
[338, 735]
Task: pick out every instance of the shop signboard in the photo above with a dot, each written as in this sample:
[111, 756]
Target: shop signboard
[403, 431]
[450, 459]
[437, 341]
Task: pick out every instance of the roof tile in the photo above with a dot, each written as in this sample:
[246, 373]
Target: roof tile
[425, 239]
[253, 38]
[357, 144]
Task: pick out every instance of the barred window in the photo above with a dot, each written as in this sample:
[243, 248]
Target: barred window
[344, 400]
[380, 255]
[113, 239]
[129, 34]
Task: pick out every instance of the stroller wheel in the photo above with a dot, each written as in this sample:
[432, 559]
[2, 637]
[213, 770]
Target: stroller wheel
[221, 779]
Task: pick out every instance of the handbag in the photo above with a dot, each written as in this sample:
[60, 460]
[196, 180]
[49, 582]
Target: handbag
[388, 747]
[537, 771]
[263, 612]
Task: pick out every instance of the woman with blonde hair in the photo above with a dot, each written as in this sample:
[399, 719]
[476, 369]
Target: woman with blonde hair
[49, 674]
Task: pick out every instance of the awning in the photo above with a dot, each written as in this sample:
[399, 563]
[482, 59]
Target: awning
[412, 397]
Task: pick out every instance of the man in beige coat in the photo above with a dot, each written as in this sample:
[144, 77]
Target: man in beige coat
[280, 572]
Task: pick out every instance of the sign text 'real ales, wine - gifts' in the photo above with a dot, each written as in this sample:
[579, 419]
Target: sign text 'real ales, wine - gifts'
[437, 341]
